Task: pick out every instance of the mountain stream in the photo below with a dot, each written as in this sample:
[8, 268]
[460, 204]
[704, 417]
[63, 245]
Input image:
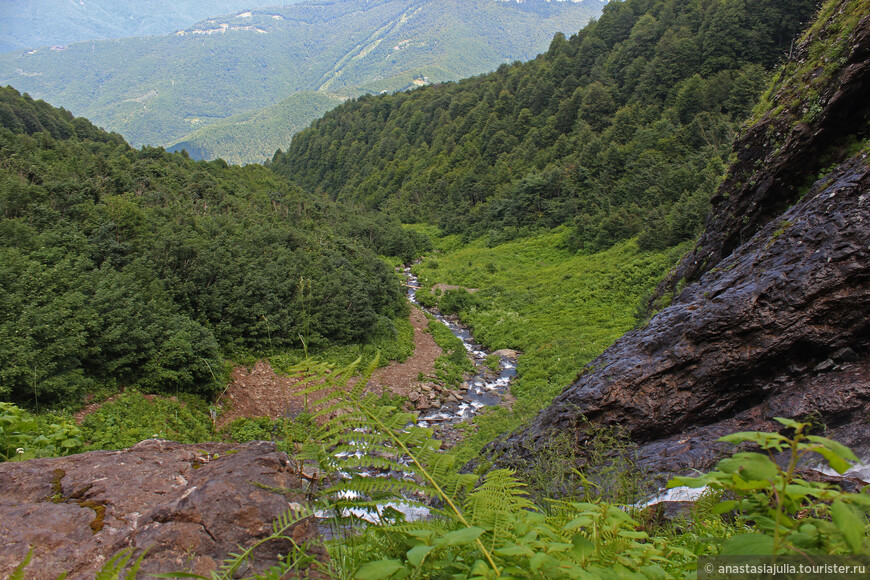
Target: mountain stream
[486, 388]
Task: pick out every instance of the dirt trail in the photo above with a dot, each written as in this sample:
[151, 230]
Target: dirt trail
[261, 392]
[400, 378]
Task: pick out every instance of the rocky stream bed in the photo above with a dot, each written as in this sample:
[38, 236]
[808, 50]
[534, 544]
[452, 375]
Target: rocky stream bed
[486, 388]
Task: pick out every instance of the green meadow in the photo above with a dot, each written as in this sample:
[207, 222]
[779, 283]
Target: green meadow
[559, 308]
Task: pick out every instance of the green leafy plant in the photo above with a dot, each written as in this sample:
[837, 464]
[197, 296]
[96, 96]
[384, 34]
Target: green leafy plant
[478, 527]
[788, 513]
[23, 436]
[133, 417]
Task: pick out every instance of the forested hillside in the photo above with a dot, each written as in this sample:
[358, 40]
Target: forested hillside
[621, 130]
[140, 268]
[156, 90]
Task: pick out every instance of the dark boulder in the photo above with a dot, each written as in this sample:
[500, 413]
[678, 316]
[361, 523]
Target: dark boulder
[739, 347]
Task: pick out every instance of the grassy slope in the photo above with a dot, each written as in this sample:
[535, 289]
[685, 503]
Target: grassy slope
[559, 308]
[254, 136]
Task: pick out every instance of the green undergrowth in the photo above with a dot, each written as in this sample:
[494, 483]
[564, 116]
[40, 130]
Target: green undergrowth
[798, 84]
[489, 526]
[133, 417]
[558, 307]
[391, 340]
[126, 418]
[24, 435]
[454, 362]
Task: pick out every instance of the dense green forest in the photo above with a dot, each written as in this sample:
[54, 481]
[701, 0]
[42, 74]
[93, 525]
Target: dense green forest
[156, 90]
[621, 130]
[143, 268]
[140, 268]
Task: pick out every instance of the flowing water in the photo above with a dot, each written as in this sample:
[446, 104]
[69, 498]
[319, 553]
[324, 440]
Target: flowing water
[486, 388]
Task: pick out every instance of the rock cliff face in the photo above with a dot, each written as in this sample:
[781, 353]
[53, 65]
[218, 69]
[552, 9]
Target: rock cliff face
[774, 316]
[190, 505]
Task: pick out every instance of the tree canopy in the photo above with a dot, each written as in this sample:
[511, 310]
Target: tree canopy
[141, 268]
[619, 130]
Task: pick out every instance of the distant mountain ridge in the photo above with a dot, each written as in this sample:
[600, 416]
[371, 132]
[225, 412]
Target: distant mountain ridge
[27, 24]
[157, 90]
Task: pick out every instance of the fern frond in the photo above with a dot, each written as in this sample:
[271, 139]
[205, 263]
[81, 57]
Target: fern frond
[280, 527]
[363, 437]
[497, 501]
[18, 572]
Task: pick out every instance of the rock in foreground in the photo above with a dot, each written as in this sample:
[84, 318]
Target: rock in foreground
[189, 505]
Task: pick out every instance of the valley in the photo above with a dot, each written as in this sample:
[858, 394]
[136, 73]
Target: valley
[245, 61]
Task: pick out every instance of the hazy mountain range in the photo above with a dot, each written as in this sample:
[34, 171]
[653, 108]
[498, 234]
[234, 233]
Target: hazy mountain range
[26, 24]
[159, 89]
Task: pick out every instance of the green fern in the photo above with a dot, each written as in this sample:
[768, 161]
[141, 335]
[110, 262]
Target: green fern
[478, 527]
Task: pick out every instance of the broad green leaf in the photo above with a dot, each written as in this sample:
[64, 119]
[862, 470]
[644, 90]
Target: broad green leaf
[860, 498]
[514, 550]
[724, 507]
[378, 570]
[766, 440]
[461, 537]
[583, 547]
[750, 466]
[834, 446]
[790, 423]
[618, 515]
[849, 524]
[743, 485]
[653, 572]
[748, 545]
[578, 522]
[425, 536]
[688, 482]
[836, 462]
[417, 554]
[537, 561]
[480, 569]
[803, 491]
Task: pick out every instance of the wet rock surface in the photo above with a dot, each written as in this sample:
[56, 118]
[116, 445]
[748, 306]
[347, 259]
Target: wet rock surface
[190, 505]
[779, 328]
